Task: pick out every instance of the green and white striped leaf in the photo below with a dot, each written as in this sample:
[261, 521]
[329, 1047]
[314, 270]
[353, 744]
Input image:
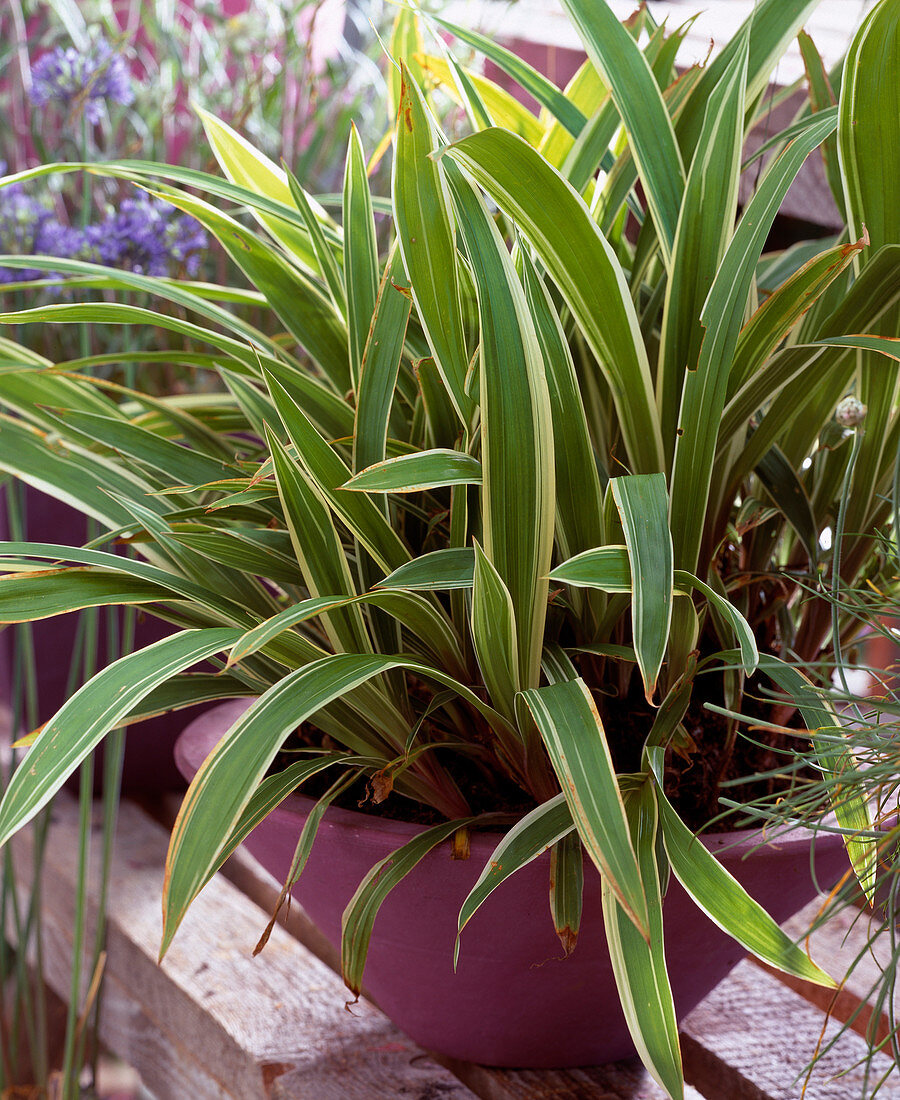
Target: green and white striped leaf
[504, 109]
[567, 888]
[579, 500]
[526, 840]
[637, 96]
[96, 708]
[555, 220]
[416, 472]
[319, 551]
[299, 302]
[559, 105]
[359, 916]
[605, 567]
[494, 634]
[705, 388]
[418, 615]
[382, 354]
[643, 505]
[639, 966]
[727, 904]
[869, 155]
[360, 254]
[517, 495]
[608, 568]
[327, 473]
[567, 718]
[248, 167]
[41, 594]
[703, 231]
[435, 572]
[427, 239]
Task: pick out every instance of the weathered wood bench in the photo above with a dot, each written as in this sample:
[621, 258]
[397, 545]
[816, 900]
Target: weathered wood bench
[212, 1023]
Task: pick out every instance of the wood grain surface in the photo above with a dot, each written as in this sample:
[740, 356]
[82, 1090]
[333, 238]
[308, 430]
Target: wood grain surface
[212, 1023]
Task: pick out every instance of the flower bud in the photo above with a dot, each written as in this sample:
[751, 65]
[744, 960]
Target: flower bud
[850, 412]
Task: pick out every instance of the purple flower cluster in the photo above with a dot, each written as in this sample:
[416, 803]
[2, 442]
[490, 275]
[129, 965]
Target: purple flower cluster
[150, 237]
[144, 235]
[82, 79]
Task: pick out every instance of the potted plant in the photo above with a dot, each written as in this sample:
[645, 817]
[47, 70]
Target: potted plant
[507, 525]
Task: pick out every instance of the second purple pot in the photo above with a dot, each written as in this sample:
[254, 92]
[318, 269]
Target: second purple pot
[513, 1001]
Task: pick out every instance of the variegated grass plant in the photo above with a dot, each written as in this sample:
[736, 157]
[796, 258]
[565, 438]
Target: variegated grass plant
[571, 438]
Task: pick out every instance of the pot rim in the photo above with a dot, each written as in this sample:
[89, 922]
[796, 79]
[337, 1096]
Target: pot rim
[201, 735]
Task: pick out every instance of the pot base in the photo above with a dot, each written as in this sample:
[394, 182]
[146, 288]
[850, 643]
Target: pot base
[514, 1001]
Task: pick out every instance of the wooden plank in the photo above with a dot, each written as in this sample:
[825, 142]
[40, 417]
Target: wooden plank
[212, 1022]
[752, 1038]
[858, 954]
[618, 1081]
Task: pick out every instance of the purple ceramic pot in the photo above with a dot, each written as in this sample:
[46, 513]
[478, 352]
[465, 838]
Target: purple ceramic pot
[514, 1001]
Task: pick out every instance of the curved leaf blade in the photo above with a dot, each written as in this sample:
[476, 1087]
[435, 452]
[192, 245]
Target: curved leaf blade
[643, 506]
[415, 472]
[572, 731]
[96, 708]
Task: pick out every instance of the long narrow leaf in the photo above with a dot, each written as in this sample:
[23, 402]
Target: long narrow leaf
[571, 728]
[93, 711]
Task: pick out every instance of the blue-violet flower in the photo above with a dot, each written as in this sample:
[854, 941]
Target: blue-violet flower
[85, 79]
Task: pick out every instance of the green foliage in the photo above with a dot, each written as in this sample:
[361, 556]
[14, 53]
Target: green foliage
[488, 491]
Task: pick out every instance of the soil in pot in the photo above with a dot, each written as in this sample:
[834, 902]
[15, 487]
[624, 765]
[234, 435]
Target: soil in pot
[514, 1000]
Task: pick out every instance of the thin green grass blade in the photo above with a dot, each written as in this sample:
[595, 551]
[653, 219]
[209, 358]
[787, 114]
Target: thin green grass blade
[848, 801]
